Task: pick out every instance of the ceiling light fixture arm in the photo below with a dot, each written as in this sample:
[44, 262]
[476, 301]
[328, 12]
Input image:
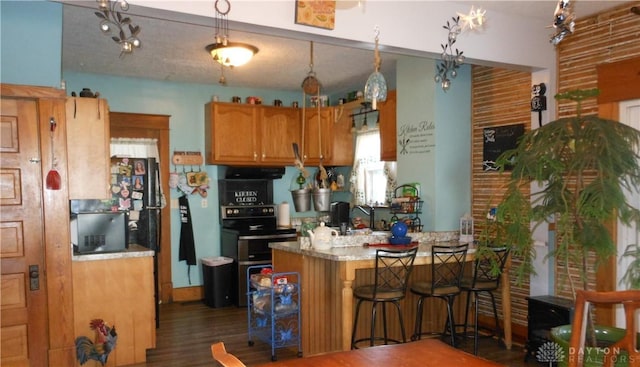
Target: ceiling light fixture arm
[222, 21]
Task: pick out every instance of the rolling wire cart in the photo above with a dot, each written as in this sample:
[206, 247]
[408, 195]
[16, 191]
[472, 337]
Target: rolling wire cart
[273, 308]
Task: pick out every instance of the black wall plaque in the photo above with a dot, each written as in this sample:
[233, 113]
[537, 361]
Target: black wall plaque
[497, 140]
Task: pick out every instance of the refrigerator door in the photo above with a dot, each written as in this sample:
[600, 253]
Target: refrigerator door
[134, 183]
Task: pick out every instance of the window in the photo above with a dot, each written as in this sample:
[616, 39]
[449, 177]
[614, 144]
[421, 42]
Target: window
[372, 180]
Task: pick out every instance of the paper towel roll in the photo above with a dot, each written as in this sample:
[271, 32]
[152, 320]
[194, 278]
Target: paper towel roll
[283, 215]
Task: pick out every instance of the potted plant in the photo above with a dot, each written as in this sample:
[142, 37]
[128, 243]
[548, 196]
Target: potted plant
[585, 165]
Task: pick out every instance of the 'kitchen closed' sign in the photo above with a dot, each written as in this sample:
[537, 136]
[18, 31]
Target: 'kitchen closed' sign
[245, 192]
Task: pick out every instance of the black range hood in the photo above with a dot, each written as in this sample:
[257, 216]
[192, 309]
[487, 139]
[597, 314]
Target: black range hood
[268, 173]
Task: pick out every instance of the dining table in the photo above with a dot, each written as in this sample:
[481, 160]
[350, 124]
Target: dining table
[421, 353]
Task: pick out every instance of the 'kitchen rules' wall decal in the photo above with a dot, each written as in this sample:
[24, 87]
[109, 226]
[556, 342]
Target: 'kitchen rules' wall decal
[417, 138]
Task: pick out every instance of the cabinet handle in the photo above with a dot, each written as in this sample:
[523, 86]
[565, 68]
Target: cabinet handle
[264, 156]
[255, 156]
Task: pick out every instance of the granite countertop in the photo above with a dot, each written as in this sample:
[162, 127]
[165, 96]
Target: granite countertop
[351, 253]
[132, 251]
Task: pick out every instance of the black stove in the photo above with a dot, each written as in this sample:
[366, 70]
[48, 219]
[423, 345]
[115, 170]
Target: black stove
[247, 231]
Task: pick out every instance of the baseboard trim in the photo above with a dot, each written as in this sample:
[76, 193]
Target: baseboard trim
[187, 294]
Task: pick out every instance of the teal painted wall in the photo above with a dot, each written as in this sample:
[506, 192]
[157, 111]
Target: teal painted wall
[31, 43]
[434, 141]
[185, 104]
[453, 151]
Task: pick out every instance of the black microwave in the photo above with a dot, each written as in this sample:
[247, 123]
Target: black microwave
[99, 232]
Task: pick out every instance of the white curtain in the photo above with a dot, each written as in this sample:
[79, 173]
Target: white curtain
[372, 181]
[135, 147]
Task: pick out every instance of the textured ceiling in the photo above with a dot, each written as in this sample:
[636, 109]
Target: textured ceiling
[174, 51]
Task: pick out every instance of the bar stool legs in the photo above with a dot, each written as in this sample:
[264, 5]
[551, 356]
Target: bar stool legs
[372, 336]
[497, 331]
[449, 324]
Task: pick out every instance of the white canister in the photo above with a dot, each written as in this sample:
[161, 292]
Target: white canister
[283, 215]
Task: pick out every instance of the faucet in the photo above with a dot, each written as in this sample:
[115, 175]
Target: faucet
[371, 213]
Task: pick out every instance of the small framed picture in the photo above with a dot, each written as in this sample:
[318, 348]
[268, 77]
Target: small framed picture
[316, 13]
[138, 182]
[138, 168]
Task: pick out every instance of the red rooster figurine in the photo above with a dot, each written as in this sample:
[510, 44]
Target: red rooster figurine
[105, 342]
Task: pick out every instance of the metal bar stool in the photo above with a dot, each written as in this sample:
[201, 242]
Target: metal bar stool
[447, 266]
[392, 271]
[486, 279]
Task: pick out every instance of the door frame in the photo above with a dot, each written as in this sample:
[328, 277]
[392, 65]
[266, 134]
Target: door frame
[141, 125]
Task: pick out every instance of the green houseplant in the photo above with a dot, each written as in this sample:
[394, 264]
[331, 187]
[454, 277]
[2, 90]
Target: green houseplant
[585, 165]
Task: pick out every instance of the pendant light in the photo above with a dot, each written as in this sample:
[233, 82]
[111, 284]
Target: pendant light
[227, 53]
[376, 88]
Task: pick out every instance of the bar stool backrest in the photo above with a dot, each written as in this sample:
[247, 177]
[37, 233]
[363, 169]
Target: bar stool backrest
[447, 265]
[393, 268]
[488, 266]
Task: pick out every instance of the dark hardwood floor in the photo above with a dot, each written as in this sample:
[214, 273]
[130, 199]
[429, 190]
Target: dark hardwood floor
[187, 331]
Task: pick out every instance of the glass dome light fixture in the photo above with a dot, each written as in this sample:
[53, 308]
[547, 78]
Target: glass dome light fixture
[375, 90]
[228, 53]
[450, 61]
[112, 19]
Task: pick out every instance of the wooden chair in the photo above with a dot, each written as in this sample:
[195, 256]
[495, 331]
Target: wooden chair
[630, 299]
[393, 268]
[225, 359]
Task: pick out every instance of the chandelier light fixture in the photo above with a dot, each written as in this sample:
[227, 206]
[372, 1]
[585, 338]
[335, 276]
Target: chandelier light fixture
[375, 90]
[112, 19]
[228, 53]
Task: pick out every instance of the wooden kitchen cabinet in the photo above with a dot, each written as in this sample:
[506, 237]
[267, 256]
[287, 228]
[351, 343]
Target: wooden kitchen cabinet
[120, 291]
[280, 127]
[88, 148]
[231, 133]
[318, 135]
[243, 134]
[343, 143]
[388, 133]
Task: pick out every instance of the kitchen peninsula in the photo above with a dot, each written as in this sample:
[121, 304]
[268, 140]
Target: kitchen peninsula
[328, 278]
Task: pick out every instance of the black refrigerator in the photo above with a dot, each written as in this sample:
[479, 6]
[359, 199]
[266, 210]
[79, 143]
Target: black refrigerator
[135, 187]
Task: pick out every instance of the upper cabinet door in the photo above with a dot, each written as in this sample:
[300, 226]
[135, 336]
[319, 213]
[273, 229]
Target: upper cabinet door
[387, 118]
[88, 148]
[231, 133]
[280, 127]
[342, 141]
[317, 134]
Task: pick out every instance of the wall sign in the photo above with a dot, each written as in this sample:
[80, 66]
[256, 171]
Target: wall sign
[497, 140]
[416, 138]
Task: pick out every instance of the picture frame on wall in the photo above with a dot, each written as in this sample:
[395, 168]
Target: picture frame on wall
[316, 13]
[497, 140]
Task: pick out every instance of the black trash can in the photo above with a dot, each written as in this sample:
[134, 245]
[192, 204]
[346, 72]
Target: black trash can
[217, 275]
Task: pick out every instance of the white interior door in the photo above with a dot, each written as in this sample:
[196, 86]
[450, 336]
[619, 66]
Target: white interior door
[630, 115]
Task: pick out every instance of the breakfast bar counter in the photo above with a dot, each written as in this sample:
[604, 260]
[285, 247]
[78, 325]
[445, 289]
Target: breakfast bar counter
[327, 281]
